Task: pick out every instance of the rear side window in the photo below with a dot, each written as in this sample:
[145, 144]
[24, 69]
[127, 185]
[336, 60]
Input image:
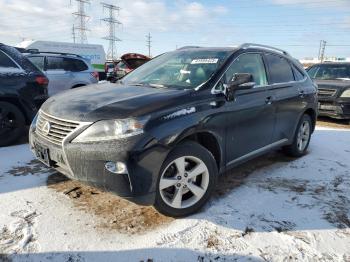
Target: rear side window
[54, 63]
[66, 64]
[76, 65]
[280, 69]
[38, 61]
[6, 63]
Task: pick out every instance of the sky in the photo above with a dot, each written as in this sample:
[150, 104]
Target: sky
[294, 25]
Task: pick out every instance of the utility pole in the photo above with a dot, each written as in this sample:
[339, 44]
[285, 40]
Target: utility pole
[73, 34]
[322, 50]
[82, 18]
[149, 41]
[112, 22]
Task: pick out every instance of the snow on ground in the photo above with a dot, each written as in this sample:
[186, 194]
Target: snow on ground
[273, 208]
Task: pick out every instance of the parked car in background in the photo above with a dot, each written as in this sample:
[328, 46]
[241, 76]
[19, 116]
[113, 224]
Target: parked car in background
[110, 66]
[65, 71]
[92, 53]
[127, 63]
[165, 132]
[333, 80]
[23, 88]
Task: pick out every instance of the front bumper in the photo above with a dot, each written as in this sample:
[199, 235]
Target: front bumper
[335, 108]
[86, 162]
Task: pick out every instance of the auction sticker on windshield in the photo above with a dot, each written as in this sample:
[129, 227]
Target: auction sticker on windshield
[205, 61]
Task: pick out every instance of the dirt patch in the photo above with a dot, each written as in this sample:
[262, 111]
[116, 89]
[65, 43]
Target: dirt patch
[334, 123]
[32, 168]
[213, 241]
[115, 212]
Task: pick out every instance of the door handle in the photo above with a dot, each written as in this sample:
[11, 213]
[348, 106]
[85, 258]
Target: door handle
[302, 93]
[269, 100]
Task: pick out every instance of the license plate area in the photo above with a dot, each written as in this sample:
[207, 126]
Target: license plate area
[42, 153]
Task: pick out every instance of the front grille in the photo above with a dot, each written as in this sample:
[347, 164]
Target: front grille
[54, 129]
[326, 92]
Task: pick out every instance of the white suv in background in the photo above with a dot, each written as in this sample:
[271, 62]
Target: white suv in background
[64, 71]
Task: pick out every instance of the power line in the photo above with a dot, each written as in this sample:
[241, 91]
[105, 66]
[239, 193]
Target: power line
[149, 41]
[82, 18]
[112, 22]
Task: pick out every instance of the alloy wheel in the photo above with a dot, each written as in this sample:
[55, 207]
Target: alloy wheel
[303, 135]
[184, 182]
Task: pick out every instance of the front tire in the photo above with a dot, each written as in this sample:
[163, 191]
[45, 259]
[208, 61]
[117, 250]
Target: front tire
[187, 179]
[301, 138]
[12, 123]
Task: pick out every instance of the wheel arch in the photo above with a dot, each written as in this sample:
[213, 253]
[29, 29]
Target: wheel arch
[209, 141]
[313, 115]
[15, 101]
[78, 85]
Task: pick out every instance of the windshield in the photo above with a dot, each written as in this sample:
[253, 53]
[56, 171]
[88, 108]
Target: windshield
[180, 69]
[330, 72]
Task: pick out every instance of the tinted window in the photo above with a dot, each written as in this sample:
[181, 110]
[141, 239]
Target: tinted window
[38, 61]
[6, 62]
[248, 63]
[54, 63]
[330, 71]
[76, 65]
[280, 70]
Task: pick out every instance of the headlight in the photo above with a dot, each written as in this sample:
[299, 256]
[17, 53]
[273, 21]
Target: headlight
[111, 130]
[346, 93]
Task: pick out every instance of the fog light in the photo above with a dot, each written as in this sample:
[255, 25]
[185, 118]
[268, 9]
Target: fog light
[116, 168]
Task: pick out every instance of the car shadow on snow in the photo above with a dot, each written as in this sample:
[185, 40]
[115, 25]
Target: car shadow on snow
[139, 255]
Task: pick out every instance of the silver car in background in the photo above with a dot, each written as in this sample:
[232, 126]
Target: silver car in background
[64, 71]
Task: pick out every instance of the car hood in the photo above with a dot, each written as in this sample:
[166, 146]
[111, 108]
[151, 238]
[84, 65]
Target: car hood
[335, 84]
[110, 101]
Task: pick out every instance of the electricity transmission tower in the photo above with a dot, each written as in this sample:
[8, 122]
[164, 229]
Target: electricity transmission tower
[73, 34]
[82, 18]
[322, 50]
[149, 41]
[112, 22]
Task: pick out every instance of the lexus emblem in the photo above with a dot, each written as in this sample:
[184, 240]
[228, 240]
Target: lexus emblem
[46, 127]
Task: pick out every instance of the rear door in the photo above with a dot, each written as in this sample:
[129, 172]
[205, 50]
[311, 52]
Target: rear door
[285, 94]
[59, 74]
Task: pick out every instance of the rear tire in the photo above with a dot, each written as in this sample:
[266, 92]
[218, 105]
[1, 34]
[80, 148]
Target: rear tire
[183, 191]
[12, 123]
[301, 138]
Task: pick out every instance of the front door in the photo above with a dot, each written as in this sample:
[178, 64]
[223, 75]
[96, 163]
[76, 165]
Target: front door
[251, 116]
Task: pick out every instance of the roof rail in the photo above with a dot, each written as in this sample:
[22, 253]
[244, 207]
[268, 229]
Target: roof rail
[247, 45]
[187, 47]
[37, 51]
[55, 53]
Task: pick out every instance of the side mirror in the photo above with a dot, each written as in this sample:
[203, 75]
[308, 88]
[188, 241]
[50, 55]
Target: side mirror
[240, 81]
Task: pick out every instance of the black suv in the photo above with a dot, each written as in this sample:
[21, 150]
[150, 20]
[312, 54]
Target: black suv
[23, 88]
[333, 81]
[162, 135]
